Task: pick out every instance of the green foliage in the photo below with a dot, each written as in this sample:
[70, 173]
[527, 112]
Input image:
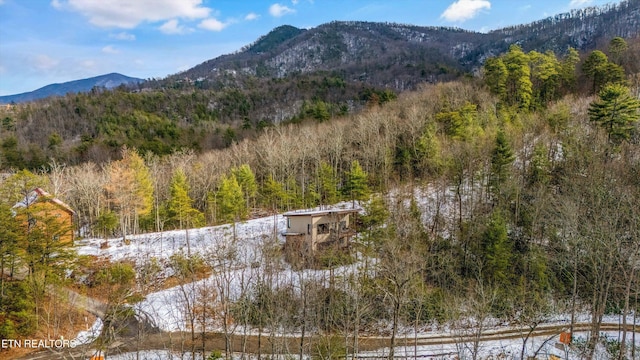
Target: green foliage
[54, 141]
[558, 117]
[616, 111]
[229, 137]
[247, 181]
[495, 252]
[460, 124]
[119, 273]
[329, 347]
[187, 267]
[519, 85]
[230, 200]
[140, 129]
[427, 307]
[10, 233]
[215, 355]
[495, 76]
[143, 185]
[501, 158]
[530, 80]
[17, 315]
[8, 124]
[332, 258]
[568, 70]
[327, 184]
[545, 75]
[601, 71]
[13, 156]
[356, 186]
[617, 48]
[106, 223]
[318, 110]
[179, 207]
[273, 194]
[377, 97]
[376, 212]
[540, 168]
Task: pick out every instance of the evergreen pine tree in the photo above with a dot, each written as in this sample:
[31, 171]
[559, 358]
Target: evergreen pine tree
[328, 185]
[496, 250]
[595, 68]
[231, 205]
[616, 111]
[180, 210]
[501, 158]
[273, 194]
[247, 181]
[519, 87]
[356, 187]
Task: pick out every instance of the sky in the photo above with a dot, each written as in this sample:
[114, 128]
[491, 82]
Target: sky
[53, 41]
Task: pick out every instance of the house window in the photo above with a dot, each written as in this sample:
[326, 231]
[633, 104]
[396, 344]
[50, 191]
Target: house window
[323, 228]
[288, 223]
[308, 229]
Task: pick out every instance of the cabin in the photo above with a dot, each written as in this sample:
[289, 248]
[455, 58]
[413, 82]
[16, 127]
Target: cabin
[310, 231]
[43, 207]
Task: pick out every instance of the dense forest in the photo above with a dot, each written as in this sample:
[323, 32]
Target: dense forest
[534, 167]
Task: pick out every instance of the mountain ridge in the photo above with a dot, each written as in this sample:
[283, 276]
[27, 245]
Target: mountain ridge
[108, 81]
[411, 54]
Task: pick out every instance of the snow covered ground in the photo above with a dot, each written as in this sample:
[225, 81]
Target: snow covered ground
[239, 264]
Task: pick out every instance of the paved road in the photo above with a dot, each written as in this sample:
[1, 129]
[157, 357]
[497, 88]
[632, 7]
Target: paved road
[180, 342]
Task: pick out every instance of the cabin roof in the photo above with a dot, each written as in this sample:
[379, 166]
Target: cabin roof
[314, 213]
[36, 193]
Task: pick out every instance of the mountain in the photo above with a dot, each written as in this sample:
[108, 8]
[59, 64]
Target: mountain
[401, 56]
[108, 81]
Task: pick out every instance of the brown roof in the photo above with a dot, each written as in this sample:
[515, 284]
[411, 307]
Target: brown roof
[37, 193]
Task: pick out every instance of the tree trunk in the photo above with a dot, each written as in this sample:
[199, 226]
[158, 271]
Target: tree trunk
[394, 328]
[627, 294]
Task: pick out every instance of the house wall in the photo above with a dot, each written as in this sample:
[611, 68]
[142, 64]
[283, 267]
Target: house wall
[299, 224]
[45, 212]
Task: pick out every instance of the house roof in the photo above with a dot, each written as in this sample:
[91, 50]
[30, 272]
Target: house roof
[320, 212]
[37, 193]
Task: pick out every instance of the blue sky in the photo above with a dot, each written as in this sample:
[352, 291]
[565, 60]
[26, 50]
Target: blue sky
[50, 41]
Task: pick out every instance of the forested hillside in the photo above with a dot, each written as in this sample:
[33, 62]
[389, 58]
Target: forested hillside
[512, 196]
[288, 76]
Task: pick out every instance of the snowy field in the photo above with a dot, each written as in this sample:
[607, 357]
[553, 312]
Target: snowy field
[239, 263]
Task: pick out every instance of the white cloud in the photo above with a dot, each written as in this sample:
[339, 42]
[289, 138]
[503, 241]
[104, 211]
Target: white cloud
[172, 27]
[123, 36]
[294, 2]
[128, 14]
[463, 10]
[55, 3]
[251, 16]
[88, 64]
[579, 3]
[278, 10]
[212, 24]
[110, 50]
[44, 62]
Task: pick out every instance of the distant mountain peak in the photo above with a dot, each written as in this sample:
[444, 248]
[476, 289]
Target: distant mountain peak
[107, 81]
[274, 38]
